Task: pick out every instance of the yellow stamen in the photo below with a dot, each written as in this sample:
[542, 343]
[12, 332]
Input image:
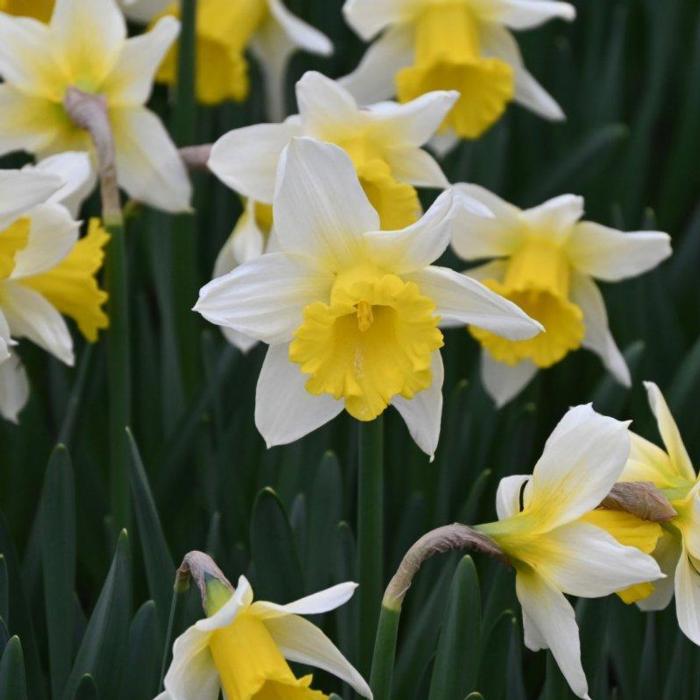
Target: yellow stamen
[372, 342]
[537, 280]
[251, 666]
[447, 57]
[224, 31]
[12, 240]
[71, 286]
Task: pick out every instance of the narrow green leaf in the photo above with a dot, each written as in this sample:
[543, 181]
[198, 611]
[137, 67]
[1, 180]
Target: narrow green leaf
[494, 657]
[160, 569]
[143, 659]
[4, 589]
[4, 636]
[277, 567]
[457, 658]
[102, 652]
[58, 560]
[13, 678]
[86, 690]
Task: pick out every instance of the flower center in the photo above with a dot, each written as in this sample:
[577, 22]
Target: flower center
[537, 280]
[447, 57]
[374, 341]
[251, 667]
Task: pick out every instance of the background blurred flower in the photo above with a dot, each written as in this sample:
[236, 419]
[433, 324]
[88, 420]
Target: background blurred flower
[545, 261]
[461, 45]
[85, 47]
[553, 551]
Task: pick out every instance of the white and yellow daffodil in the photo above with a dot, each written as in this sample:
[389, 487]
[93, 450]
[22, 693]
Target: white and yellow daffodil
[545, 260]
[243, 646]
[226, 30]
[351, 313]
[46, 271]
[462, 45]
[554, 549]
[85, 46]
[678, 551]
[383, 141]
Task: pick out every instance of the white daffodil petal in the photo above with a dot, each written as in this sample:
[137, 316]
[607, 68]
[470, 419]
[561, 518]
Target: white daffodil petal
[416, 246]
[246, 159]
[444, 142]
[320, 208]
[20, 190]
[669, 432]
[31, 316]
[314, 604]
[531, 635]
[265, 297]
[246, 242]
[687, 589]
[423, 413]
[239, 340]
[301, 641]
[301, 34]
[582, 459]
[554, 623]
[192, 673]
[463, 301]
[555, 216]
[144, 11]
[498, 42]
[324, 105]
[148, 164]
[413, 123]
[131, 81]
[525, 14]
[508, 495]
[598, 338]
[369, 17]
[241, 598]
[588, 562]
[494, 270]
[373, 79]
[647, 462]
[88, 34]
[612, 255]
[5, 338]
[284, 410]
[52, 235]
[667, 553]
[76, 171]
[504, 382]
[27, 122]
[14, 388]
[417, 167]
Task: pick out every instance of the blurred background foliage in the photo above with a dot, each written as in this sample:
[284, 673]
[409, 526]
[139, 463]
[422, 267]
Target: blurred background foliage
[90, 606]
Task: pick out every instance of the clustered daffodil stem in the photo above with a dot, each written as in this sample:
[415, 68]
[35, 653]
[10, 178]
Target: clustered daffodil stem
[89, 112]
[370, 524]
[442, 539]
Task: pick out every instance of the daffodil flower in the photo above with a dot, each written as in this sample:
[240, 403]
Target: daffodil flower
[351, 313]
[226, 29]
[556, 552]
[243, 647]
[46, 271]
[85, 47]
[545, 260]
[462, 45]
[384, 142]
[678, 551]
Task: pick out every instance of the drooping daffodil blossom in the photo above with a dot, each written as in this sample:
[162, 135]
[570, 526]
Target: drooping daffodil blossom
[351, 313]
[85, 46]
[553, 548]
[383, 141]
[226, 29]
[242, 648]
[678, 551]
[47, 272]
[545, 260]
[462, 45]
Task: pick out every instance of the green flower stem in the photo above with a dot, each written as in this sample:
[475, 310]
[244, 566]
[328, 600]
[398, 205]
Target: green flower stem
[385, 652]
[89, 112]
[370, 518]
[184, 243]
